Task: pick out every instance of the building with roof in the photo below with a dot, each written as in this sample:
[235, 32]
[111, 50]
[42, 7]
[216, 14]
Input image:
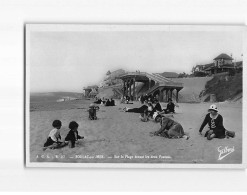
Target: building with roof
[91, 91]
[222, 63]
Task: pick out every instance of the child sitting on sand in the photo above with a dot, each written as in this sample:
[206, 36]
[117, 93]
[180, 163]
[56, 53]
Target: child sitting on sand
[73, 135]
[54, 138]
[92, 112]
[170, 129]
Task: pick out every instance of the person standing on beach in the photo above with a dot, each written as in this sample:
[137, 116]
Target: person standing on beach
[54, 138]
[215, 123]
[142, 99]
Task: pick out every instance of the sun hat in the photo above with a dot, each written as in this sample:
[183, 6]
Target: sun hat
[213, 107]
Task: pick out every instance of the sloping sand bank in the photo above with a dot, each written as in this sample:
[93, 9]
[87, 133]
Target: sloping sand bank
[192, 88]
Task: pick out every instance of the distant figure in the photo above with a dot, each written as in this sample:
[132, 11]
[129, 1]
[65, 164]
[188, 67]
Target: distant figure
[127, 99]
[150, 108]
[170, 129]
[215, 123]
[103, 101]
[142, 99]
[98, 101]
[107, 103]
[112, 102]
[92, 112]
[156, 97]
[54, 138]
[73, 135]
[122, 100]
[150, 98]
[146, 97]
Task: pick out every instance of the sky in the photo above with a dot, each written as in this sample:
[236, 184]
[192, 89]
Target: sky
[71, 60]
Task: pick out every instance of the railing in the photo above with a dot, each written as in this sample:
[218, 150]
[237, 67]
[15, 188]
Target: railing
[156, 79]
[161, 77]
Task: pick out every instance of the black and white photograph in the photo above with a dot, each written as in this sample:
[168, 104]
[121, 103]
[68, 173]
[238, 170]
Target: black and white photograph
[135, 96]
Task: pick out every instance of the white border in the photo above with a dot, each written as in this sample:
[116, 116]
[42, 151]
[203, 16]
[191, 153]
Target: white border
[78, 27]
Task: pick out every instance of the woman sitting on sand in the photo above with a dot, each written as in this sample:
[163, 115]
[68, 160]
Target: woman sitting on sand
[150, 109]
[170, 129]
[157, 107]
[137, 110]
[215, 123]
[170, 108]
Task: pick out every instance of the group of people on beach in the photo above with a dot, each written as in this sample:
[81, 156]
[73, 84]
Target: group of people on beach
[151, 109]
[105, 102]
[171, 129]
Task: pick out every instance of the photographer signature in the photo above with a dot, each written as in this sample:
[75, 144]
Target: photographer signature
[225, 151]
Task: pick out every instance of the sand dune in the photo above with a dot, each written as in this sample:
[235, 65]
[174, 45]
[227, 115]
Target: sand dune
[192, 88]
[118, 133]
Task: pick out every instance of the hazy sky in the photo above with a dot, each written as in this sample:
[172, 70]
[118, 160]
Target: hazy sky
[69, 61]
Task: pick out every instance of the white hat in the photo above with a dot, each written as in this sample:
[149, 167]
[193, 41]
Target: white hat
[213, 107]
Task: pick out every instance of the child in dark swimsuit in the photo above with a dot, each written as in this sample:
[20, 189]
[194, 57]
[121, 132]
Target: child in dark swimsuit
[73, 135]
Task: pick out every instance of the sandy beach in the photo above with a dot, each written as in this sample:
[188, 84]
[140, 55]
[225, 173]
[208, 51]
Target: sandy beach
[120, 137]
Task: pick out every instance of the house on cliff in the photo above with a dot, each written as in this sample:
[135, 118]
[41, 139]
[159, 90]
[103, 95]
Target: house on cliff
[221, 64]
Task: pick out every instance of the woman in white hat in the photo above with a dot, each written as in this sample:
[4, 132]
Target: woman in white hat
[215, 123]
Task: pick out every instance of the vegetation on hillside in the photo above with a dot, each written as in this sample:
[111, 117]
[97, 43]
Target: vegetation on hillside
[225, 87]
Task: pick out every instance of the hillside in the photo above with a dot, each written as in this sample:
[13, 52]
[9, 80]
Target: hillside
[225, 88]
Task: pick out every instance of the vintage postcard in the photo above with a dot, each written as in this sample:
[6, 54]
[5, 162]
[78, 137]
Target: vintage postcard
[135, 96]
